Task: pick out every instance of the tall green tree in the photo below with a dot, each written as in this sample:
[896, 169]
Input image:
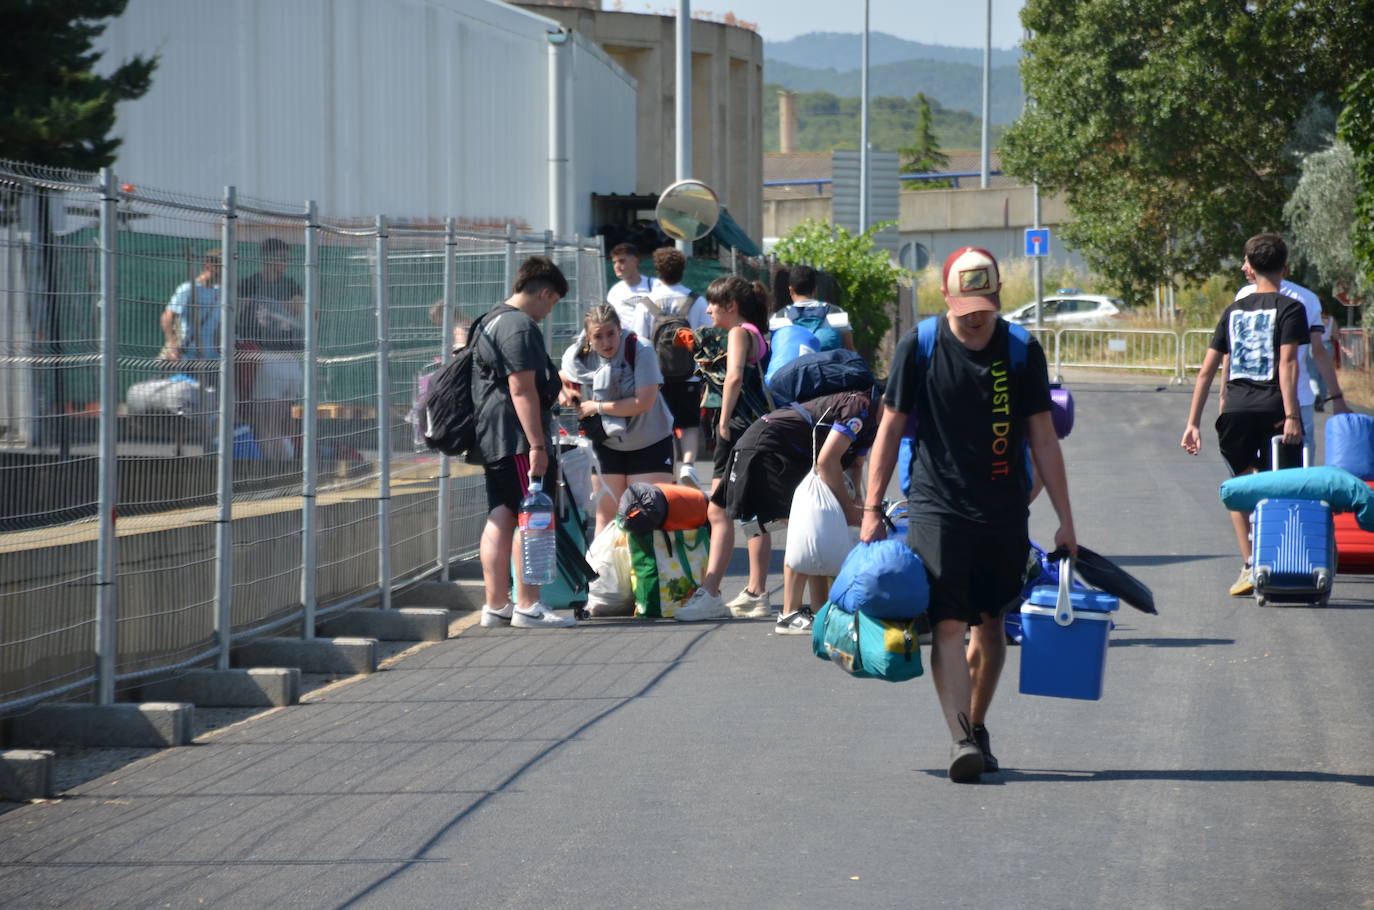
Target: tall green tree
[923, 156]
[1356, 125]
[54, 108]
[1321, 214]
[1167, 125]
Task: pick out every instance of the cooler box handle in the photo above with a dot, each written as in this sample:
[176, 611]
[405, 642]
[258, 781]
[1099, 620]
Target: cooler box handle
[1063, 606]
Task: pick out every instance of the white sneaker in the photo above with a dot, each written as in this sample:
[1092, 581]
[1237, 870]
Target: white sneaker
[540, 617]
[492, 618]
[798, 622]
[748, 605]
[702, 607]
[688, 476]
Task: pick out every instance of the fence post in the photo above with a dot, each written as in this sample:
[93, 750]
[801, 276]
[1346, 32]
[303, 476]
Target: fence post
[383, 421]
[510, 260]
[107, 589]
[224, 526]
[577, 270]
[310, 424]
[445, 355]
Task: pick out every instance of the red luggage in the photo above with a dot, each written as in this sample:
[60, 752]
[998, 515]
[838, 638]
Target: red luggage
[1354, 546]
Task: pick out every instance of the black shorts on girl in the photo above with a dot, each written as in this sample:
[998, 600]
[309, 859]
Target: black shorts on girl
[652, 459]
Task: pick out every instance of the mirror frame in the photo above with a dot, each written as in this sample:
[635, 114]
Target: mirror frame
[699, 193]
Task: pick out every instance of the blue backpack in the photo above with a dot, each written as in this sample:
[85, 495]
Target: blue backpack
[823, 373]
[813, 318]
[1018, 339]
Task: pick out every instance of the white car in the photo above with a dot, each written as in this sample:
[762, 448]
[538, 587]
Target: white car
[1070, 308]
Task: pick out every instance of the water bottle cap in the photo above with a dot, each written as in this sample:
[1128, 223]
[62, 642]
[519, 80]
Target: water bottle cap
[536, 486]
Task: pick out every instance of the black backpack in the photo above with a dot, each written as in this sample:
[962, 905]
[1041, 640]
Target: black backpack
[674, 360]
[450, 416]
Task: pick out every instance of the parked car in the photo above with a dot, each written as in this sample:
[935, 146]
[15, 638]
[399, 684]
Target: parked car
[1071, 308]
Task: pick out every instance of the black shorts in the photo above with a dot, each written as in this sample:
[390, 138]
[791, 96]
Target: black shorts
[758, 484]
[508, 480]
[721, 456]
[1245, 437]
[652, 459]
[973, 570]
[684, 401]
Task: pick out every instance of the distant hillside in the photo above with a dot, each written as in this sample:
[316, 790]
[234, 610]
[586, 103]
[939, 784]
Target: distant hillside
[826, 122]
[957, 86]
[832, 50]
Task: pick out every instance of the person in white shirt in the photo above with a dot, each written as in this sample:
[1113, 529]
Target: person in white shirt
[1316, 353]
[683, 395]
[625, 294]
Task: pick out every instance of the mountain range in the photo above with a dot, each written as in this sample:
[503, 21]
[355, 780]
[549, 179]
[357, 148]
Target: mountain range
[829, 62]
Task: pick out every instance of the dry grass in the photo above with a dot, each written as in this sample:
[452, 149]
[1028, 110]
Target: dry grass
[1358, 388]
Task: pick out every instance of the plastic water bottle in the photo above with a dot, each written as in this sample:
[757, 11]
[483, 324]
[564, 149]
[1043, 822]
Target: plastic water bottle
[537, 543]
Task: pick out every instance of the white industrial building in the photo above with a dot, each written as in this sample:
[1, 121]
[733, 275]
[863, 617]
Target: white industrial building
[411, 108]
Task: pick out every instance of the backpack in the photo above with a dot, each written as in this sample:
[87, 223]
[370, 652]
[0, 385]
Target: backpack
[450, 416]
[674, 360]
[813, 319]
[643, 507]
[823, 373]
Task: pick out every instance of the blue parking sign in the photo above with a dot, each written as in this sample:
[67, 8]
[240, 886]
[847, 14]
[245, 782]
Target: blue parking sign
[1037, 241]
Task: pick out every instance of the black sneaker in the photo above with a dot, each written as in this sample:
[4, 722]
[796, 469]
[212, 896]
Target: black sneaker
[966, 758]
[798, 622]
[980, 736]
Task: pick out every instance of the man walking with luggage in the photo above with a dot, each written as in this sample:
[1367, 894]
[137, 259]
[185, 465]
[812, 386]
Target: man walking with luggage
[1261, 334]
[980, 413]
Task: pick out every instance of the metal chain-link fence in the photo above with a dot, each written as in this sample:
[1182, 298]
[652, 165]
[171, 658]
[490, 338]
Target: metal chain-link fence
[161, 502]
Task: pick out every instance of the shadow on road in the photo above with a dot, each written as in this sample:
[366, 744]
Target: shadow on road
[1169, 642]
[1165, 559]
[1216, 776]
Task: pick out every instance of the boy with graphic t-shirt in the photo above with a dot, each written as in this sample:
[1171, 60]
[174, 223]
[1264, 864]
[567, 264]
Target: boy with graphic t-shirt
[1261, 334]
[975, 413]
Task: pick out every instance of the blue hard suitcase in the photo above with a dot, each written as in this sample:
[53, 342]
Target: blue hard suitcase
[1294, 546]
[1294, 551]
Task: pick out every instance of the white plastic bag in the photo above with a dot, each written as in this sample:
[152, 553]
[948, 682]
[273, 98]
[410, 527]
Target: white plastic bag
[612, 592]
[817, 535]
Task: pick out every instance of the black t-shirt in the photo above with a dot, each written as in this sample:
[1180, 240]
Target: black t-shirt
[971, 409]
[1251, 330]
[786, 432]
[507, 341]
[264, 316]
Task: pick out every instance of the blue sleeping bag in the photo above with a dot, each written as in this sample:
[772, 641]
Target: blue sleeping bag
[1350, 444]
[884, 580]
[1337, 487]
[787, 344]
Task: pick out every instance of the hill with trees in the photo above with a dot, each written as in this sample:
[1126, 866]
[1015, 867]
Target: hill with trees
[826, 122]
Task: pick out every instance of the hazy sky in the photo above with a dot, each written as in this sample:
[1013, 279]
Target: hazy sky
[928, 21]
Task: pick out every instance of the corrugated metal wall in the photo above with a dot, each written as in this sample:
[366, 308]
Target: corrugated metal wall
[416, 108]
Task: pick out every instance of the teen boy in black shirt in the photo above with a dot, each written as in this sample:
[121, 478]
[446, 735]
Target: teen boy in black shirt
[975, 414]
[1261, 333]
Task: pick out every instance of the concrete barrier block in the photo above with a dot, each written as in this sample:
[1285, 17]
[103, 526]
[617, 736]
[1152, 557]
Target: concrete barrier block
[405, 624]
[339, 656]
[462, 595]
[26, 774]
[153, 725]
[256, 687]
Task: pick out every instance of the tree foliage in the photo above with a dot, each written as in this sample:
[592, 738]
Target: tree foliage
[54, 108]
[1356, 127]
[865, 274]
[1167, 126]
[923, 156]
[1321, 213]
[826, 122]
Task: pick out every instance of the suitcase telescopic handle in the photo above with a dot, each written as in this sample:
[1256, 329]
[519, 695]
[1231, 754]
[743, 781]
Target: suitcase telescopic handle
[1063, 604]
[1274, 452]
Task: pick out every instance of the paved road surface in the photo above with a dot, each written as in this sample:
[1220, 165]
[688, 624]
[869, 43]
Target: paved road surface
[1231, 763]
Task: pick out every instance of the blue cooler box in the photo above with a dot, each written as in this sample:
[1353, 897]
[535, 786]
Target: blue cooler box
[1065, 661]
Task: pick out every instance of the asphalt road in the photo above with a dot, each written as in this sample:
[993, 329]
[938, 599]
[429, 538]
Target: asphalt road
[617, 765]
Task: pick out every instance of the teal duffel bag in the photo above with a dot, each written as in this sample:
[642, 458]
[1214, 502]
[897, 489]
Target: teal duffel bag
[866, 647]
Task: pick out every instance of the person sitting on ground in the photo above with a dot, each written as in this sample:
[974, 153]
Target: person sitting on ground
[634, 440]
[827, 322]
[771, 458]
[741, 308]
[1261, 334]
